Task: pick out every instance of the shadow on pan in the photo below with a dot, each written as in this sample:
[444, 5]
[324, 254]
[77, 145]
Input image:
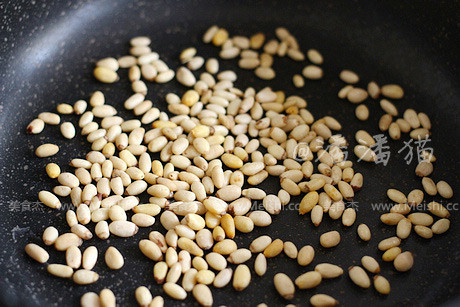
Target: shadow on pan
[47, 53]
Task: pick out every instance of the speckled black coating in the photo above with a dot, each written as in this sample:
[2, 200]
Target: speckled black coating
[48, 49]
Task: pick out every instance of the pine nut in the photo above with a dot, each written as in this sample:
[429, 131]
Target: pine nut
[36, 126]
[37, 253]
[349, 76]
[323, 300]
[305, 255]
[444, 189]
[241, 277]
[330, 239]
[393, 91]
[308, 280]
[404, 262]
[391, 254]
[46, 150]
[328, 270]
[107, 298]
[85, 277]
[364, 232]
[440, 226]
[388, 243]
[284, 286]
[382, 285]
[60, 270]
[370, 264]
[359, 277]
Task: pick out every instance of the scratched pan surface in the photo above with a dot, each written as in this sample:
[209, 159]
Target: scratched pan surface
[47, 52]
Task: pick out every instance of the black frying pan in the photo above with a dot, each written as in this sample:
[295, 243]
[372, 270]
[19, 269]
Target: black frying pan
[48, 49]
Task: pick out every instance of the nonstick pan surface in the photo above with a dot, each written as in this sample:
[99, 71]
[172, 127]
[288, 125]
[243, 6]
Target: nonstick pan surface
[47, 52]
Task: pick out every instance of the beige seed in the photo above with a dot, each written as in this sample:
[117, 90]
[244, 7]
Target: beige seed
[373, 90]
[260, 264]
[382, 285]
[429, 186]
[203, 295]
[223, 278]
[364, 232]
[444, 189]
[330, 239]
[66, 240]
[298, 81]
[344, 91]
[308, 280]
[239, 256]
[85, 277]
[89, 258]
[50, 118]
[49, 199]
[349, 217]
[385, 122]
[105, 75]
[438, 209]
[396, 196]
[284, 286]
[317, 215]
[420, 133]
[174, 291]
[370, 264]
[359, 277]
[403, 228]
[46, 150]
[391, 254]
[241, 277]
[420, 218]
[274, 249]
[265, 73]
[404, 262]
[323, 300]
[113, 258]
[143, 296]
[315, 56]
[290, 250]
[357, 95]
[349, 76]
[37, 253]
[305, 255]
[107, 298]
[158, 301]
[260, 244]
[312, 72]
[308, 202]
[394, 131]
[60, 270]
[36, 126]
[364, 138]
[423, 231]
[362, 112]
[73, 257]
[391, 218]
[424, 169]
[328, 270]
[388, 107]
[365, 153]
[388, 243]
[440, 226]
[123, 228]
[404, 126]
[50, 235]
[415, 197]
[392, 91]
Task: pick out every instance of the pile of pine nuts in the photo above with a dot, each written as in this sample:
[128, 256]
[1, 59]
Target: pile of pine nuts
[214, 148]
